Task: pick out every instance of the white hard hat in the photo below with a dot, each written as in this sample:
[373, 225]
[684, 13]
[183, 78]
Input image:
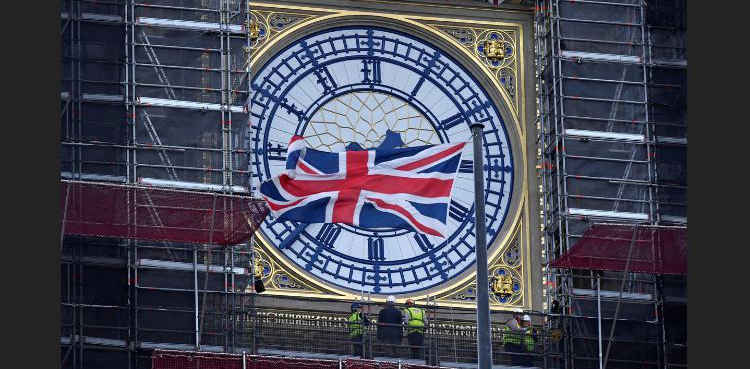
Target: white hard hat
[391, 299]
[526, 318]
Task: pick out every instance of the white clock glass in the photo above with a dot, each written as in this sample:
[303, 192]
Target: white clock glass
[365, 88]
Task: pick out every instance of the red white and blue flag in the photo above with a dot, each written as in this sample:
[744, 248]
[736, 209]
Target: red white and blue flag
[405, 188]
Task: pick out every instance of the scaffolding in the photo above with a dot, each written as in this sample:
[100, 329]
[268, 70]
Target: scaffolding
[611, 79]
[153, 95]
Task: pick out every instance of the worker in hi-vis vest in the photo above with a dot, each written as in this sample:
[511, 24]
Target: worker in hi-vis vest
[357, 323]
[528, 340]
[513, 338]
[416, 320]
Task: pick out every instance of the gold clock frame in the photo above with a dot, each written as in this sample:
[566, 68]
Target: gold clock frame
[517, 227]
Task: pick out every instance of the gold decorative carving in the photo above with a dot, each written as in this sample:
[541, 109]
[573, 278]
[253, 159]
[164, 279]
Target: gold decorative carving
[258, 267]
[494, 50]
[269, 25]
[497, 48]
[253, 29]
[503, 286]
[506, 282]
[275, 277]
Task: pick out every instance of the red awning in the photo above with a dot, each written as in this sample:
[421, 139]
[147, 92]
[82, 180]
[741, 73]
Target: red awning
[123, 211]
[655, 249]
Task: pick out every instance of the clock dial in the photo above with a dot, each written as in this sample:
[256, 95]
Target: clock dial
[364, 88]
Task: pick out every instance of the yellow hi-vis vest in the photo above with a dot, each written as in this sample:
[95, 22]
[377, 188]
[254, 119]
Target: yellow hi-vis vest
[355, 325]
[416, 319]
[511, 337]
[529, 341]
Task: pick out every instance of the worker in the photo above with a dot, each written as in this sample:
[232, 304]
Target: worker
[513, 335]
[357, 322]
[390, 330]
[416, 321]
[529, 338]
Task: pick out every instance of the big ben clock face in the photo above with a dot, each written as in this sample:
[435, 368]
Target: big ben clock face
[362, 87]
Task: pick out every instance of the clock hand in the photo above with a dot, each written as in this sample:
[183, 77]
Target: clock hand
[293, 236]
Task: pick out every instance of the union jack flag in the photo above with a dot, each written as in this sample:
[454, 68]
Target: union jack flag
[406, 188]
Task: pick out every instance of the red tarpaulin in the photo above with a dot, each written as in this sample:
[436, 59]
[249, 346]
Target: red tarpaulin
[108, 210]
[655, 249]
[167, 359]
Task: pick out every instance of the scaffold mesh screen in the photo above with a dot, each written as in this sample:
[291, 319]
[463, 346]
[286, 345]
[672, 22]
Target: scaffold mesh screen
[650, 249]
[168, 359]
[121, 211]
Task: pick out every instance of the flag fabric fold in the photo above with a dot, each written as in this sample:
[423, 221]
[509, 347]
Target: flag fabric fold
[405, 188]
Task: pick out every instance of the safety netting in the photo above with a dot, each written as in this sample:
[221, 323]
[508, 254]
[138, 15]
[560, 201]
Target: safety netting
[169, 359]
[151, 213]
[628, 247]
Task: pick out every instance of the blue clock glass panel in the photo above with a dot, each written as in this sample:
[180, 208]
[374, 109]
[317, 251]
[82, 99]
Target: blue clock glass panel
[361, 88]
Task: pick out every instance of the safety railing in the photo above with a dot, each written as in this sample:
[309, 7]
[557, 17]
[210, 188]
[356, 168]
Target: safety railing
[441, 341]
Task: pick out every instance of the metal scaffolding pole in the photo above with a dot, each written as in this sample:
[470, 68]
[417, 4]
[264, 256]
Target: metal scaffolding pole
[484, 339]
[599, 317]
[195, 296]
[254, 347]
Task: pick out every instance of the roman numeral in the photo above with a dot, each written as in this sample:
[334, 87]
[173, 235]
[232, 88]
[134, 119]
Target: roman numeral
[375, 249]
[417, 87]
[276, 153]
[496, 180]
[431, 64]
[457, 211]
[371, 72]
[467, 166]
[423, 242]
[325, 79]
[452, 121]
[328, 234]
[288, 240]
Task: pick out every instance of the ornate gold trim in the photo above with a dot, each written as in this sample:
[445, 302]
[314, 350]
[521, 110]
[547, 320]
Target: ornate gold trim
[464, 293]
[504, 68]
[276, 278]
[272, 24]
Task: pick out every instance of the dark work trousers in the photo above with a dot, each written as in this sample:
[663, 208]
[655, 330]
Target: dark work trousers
[357, 345]
[518, 360]
[526, 360]
[415, 341]
[390, 346]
